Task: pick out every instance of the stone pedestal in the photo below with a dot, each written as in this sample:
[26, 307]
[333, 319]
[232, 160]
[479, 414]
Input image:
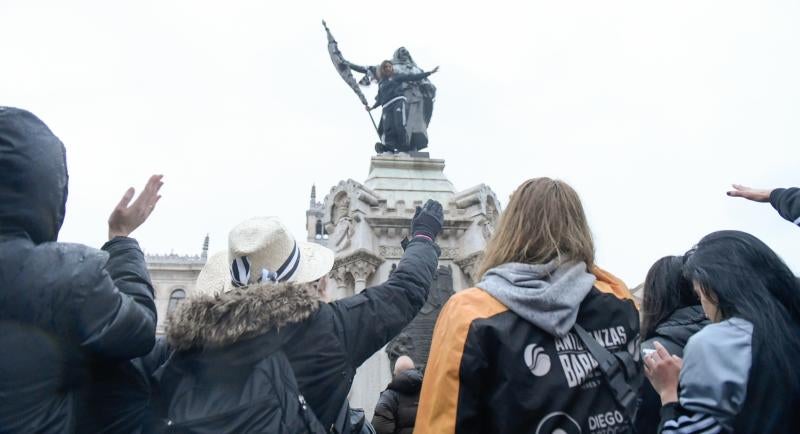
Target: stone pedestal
[364, 224]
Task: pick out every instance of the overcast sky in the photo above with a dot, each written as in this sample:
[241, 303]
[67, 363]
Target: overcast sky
[650, 109]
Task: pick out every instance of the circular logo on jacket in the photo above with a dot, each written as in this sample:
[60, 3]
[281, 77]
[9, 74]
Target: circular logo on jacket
[537, 360]
[558, 423]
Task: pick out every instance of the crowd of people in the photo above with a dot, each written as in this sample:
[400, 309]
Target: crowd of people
[546, 342]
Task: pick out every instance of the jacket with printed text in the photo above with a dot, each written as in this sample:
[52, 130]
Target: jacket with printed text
[505, 357]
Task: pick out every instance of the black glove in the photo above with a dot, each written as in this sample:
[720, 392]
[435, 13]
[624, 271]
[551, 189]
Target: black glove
[428, 220]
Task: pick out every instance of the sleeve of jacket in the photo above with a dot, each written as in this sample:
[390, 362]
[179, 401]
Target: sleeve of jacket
[713, 384]
[385, 413]
[369, 319]
[787, 202]
[450, 400]
[114, 309]
[678, 420]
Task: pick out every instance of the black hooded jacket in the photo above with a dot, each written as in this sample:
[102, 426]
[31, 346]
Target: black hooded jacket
[673, 333]
[220, 342]
[70, 316]
[396, 410]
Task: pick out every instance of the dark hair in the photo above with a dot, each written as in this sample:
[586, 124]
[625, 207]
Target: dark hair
[665, 290]
[746, 279]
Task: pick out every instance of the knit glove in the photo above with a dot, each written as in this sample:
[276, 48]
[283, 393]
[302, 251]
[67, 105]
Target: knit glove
[428, 220]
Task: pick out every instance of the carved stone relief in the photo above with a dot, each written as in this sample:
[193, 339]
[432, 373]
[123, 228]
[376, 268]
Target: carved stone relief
[415, 339]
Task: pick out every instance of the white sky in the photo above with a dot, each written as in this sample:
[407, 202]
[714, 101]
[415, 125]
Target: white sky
[650, 109]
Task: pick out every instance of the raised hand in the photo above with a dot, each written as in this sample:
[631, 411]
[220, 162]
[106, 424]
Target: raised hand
[754, 194]
[435, 70]
[663, 370]
[126, 217]
[428, 220]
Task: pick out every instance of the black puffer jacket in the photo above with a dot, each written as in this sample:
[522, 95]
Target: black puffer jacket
[70, 316]
[673, 333]
[396, 410]
[217, 336]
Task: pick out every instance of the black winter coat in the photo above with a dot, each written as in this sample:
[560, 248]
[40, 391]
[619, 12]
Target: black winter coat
[673, 333]
[71, 316]
[396, 410]
[324, 342]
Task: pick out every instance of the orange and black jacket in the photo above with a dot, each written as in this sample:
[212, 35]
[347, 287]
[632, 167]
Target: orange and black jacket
[491, 371]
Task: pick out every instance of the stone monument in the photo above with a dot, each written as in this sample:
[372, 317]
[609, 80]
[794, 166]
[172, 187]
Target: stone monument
[364, 224]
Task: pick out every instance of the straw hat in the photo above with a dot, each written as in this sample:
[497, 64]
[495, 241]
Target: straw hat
[261, 250]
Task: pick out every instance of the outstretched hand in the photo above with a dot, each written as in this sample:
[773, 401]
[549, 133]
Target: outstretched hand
[754, 194]
[428, 220]
[663, 370]
[126, 217]
[434, 70]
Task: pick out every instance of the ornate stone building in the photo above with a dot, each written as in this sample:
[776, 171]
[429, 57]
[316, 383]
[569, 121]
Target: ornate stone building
[364, 223]
[173, 278]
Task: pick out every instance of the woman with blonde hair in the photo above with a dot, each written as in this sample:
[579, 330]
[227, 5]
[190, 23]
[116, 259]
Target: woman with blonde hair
[511, 355]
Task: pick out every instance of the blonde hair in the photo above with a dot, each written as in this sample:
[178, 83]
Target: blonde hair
[544, 220]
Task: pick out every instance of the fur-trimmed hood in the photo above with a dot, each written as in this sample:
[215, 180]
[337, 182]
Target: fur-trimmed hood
[214, 321]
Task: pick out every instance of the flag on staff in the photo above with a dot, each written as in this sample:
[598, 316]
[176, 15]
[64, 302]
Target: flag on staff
[341, 65]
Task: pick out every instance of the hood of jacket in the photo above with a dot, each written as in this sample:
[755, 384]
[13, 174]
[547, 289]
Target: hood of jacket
[682, 324]
[546, 295]
[407, 382]
[214, 321]
[33, 177]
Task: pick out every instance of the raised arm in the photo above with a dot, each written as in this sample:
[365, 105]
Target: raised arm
[415, 77]
[785, 200]
[116, 315]
[370, 319]
[356, 68]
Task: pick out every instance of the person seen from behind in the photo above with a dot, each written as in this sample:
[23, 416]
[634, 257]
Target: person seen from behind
[71, 316]
[740, 373]
[671, 313]
[261, 351]
[506, 356]
[396, 410]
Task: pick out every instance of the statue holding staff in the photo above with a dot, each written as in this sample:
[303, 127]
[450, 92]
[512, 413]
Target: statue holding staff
[396, 129]
[410, 114]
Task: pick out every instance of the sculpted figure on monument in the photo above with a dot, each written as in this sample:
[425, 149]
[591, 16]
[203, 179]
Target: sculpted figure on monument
[343, 223]
[404, 91]
[415, 339]
[402, 127]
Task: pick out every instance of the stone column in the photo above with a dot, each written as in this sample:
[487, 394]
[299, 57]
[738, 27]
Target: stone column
[361, 271]
[360, 265]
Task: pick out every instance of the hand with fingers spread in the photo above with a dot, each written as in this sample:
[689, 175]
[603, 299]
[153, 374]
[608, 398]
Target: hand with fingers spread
[663, 370]
[428, 220]
[126, 217]
[754, 194]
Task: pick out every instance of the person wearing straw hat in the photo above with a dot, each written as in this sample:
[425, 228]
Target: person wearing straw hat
[261, 316]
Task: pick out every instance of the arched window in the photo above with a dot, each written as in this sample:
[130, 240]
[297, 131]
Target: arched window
[175, 299]
[320, 233]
